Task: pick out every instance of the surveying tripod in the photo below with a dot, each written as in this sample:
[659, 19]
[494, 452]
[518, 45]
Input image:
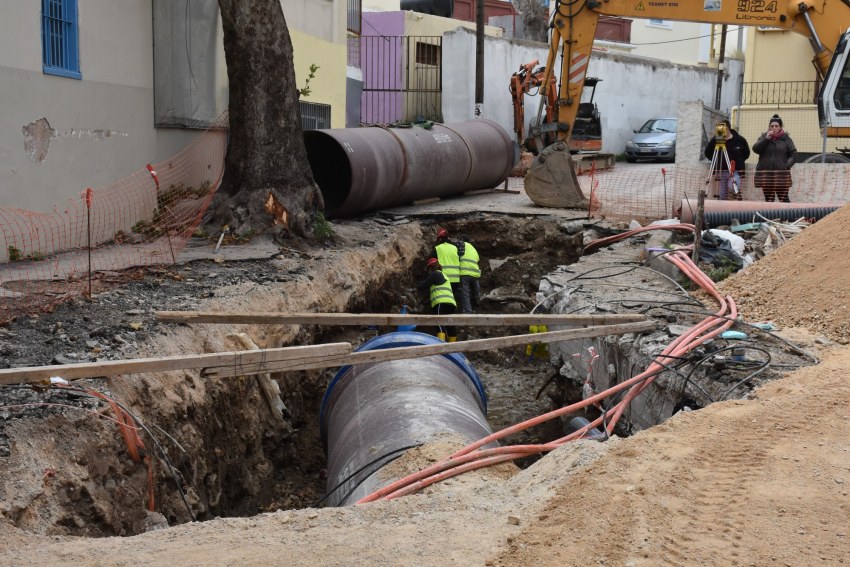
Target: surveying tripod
[720, 153]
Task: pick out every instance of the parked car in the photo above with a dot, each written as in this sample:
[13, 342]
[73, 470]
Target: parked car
[656, 139]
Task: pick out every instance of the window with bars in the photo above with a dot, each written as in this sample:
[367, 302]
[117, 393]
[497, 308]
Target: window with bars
[355, 15]
[314, 116]
[60, 38]
[427, 54]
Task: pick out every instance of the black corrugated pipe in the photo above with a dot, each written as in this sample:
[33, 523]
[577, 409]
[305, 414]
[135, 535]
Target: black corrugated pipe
[724, 218]
[364, 169]
[721, 213]
[372, 413]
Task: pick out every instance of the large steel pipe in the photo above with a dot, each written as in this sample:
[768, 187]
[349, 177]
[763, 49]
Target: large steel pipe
[721, 213]
[364, 169]
[372, 413]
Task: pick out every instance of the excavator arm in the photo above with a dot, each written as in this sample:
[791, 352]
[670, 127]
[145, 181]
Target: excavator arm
[527, 79]
[551, 181]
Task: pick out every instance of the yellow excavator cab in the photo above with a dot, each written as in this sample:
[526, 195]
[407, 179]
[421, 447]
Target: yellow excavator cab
[551, 180]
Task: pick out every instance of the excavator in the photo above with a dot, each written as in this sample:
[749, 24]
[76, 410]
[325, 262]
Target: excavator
[551, 180]
[586, 134]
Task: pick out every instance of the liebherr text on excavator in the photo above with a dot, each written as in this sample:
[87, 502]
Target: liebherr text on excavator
[551, 181]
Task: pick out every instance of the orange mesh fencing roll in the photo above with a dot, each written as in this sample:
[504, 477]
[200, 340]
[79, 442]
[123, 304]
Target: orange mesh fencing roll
[648, 192]
[141, 220]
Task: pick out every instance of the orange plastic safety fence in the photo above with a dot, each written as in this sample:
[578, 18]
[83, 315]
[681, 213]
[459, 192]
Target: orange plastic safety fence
[647, 192]
[143, 219]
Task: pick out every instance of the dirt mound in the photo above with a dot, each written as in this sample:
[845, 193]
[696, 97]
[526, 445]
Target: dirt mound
[737, 483]
[804, 283]
[745, 482]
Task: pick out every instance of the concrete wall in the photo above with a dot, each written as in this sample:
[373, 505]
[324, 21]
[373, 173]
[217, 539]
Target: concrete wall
[424, 24]
[633, 89]
[695, 127]
[380, 5]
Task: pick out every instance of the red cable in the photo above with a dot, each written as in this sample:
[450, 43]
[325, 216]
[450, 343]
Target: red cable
[473, 457]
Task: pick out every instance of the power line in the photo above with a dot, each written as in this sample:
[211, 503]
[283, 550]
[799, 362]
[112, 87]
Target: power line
[689, 38]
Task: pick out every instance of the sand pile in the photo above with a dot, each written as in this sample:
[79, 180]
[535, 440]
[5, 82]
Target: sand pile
[804, 283]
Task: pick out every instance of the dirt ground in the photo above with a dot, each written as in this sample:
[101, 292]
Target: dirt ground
[760, 481]
[756, 482]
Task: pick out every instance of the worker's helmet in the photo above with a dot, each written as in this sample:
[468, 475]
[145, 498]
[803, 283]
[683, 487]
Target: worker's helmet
[442, 233]
[433, 263]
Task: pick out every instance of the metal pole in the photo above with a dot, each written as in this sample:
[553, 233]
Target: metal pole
[720, 58]
[698, 225]
[823, 132]
[479, 57]
[88, 230]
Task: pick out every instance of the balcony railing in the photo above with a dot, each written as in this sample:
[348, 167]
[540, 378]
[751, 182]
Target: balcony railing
[787, 92]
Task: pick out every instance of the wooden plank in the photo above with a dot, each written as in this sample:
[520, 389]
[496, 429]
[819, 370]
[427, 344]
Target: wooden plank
[395, 319]
[269, 388]
[400, 353]
[426, 201]
[477, 192]
[28, 375]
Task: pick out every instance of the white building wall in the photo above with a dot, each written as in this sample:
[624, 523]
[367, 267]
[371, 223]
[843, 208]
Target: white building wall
[682, 42]
[60, 135]
[633, 89]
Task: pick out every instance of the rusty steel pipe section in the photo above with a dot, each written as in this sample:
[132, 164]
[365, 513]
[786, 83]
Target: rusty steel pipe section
[372, 413]
[720, 213]
[364, 169]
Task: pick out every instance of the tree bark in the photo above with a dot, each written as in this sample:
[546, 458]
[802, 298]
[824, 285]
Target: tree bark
[535, 19]
[267, 179]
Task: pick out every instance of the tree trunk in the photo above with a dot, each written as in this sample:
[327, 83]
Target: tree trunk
[267, 180]
[535, 19]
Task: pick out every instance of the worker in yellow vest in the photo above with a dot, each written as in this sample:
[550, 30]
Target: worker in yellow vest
[470, 290]
[446, 253]
[441, 297]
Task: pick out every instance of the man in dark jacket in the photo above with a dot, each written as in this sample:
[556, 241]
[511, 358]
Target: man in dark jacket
[738, 151]
[470, 273]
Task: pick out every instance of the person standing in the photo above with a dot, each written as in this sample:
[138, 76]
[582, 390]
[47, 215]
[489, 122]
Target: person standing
[441, 297]
[446, 253]
[470, 290]
[738, 151]
[777, 154]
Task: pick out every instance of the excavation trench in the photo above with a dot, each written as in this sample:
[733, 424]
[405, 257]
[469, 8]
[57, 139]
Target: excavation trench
[219, 451]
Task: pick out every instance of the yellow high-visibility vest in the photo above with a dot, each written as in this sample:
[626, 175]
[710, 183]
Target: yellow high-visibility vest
[442, 293]
[449, 262]
[469, 261]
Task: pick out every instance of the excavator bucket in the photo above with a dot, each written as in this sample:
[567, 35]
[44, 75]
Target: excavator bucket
[551, 180]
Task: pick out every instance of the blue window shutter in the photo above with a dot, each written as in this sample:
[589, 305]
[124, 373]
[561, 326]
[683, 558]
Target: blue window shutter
[60, 38]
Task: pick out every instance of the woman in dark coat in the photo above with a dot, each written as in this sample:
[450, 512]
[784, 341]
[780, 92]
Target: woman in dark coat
[776, 152]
